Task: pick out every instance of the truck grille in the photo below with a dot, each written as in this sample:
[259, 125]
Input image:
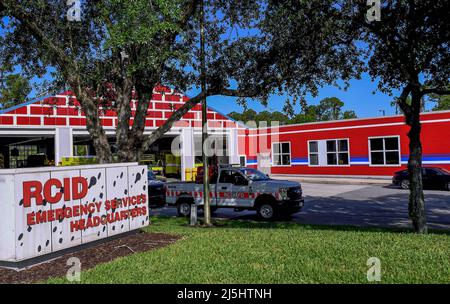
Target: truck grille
[294, 193]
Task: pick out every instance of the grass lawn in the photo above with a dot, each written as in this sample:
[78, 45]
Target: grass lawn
[250, 252]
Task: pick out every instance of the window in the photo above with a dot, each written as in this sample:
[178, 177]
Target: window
[281, 154]
[337, 152]
[19, 155]
[254, 175]
[384, 151]
[313, 153]
[226, 177]
[329, 152]
[243, 160]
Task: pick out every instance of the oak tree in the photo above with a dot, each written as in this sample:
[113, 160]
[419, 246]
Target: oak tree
[407, 50]
[121, 50]
[14, 89]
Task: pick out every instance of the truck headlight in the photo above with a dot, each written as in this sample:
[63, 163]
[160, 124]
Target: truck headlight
[284, 193]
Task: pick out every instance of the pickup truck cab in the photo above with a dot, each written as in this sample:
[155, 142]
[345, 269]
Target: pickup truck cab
[239, 188]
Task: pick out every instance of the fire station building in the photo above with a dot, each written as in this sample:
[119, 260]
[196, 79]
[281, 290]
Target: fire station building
[357, 147]
[52, 129]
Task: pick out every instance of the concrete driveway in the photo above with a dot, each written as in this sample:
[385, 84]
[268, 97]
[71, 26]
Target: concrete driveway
[356, 205]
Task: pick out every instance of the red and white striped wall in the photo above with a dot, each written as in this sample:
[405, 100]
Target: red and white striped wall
[64, 110]
[257, 144]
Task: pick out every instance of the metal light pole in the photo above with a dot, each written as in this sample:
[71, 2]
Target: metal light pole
[206, 199]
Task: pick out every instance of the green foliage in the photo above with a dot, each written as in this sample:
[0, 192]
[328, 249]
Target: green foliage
[442, 102]
[254, 48]
[280, 252]
[14, 89]
[349, 115]
[88, 53]
[118, 51]
[329, 108]
[292, 47]
[264, 116]
[145, 31]
[408, 46]
[309, 114]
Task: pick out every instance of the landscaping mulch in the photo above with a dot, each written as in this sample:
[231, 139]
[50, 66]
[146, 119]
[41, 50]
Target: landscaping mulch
[89, 257]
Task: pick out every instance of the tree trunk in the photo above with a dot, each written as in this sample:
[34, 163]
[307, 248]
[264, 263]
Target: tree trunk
[94, 127]
[123, 125]
[137, 137]
[100, 143]
[416, 197]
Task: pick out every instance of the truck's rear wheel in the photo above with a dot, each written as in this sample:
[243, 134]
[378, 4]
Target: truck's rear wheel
[184, 208]
[266, 211]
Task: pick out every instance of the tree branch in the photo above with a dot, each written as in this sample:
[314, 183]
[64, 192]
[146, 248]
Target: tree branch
[237, 93]
[188, 105]
[401, 101]
[176, 116]
[26, 19]
[437, 91]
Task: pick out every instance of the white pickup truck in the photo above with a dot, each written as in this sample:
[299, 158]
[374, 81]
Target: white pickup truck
[240, 188]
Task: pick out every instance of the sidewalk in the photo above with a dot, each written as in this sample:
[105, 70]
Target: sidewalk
[347, 180]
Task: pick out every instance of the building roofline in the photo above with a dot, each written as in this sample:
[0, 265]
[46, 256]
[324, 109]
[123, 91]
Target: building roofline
[228, 117]
[32, 101]
[26, 103]
[242, 124]
[348, 120]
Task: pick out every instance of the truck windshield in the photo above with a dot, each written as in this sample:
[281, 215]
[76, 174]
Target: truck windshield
[254, 174]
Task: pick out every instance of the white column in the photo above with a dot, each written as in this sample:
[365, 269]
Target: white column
[187, 151]
[63, 144]
[233, 143]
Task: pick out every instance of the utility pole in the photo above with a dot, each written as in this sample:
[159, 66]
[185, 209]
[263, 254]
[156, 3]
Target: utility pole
[206, 199]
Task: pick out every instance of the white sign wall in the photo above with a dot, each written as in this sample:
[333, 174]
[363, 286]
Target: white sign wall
[48, 209]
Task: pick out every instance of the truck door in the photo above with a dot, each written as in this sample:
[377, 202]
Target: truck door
[240, 189]
[224, 189]
[232, 189]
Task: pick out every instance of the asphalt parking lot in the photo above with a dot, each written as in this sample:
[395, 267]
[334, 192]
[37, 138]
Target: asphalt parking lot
[356, 205]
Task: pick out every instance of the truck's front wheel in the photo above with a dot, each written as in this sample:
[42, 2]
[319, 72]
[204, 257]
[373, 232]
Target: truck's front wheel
[266, 211]
[184, 208]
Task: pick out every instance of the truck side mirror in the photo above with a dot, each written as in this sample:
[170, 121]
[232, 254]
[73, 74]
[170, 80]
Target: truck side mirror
[240, 181]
